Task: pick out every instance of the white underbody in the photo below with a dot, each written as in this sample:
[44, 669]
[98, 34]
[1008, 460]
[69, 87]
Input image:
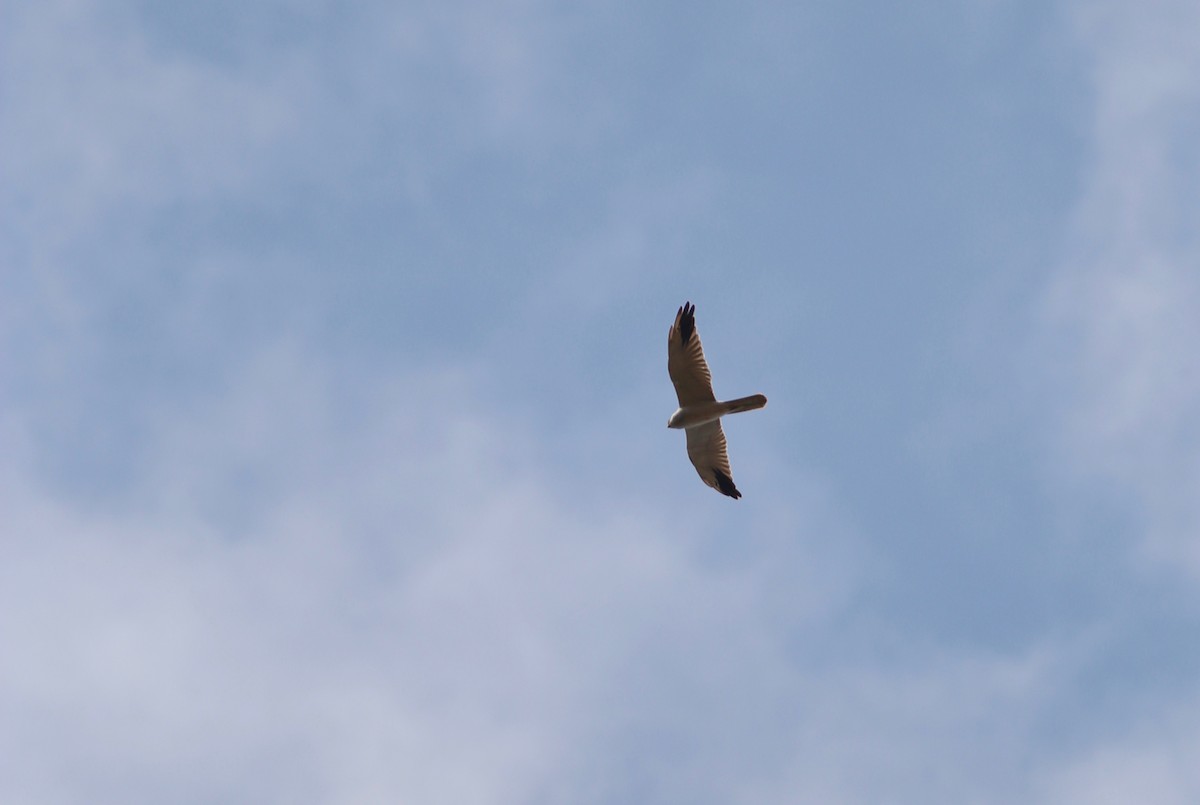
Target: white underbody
[699, 414]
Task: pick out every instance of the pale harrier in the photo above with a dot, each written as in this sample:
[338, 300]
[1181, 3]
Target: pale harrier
[699, 411]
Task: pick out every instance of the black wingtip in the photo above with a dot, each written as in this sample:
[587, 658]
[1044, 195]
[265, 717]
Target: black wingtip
[687, 322]
[725, 485]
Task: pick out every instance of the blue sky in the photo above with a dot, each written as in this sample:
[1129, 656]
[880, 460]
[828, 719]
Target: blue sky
[333, 394]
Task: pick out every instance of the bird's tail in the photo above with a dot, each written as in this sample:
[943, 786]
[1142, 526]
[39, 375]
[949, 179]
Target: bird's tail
[750, 403]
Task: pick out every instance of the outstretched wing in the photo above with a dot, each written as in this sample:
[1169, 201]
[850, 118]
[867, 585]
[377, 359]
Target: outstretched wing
[685, 361]
[706, 449]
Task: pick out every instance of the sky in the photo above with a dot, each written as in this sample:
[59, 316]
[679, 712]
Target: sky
[333, 391]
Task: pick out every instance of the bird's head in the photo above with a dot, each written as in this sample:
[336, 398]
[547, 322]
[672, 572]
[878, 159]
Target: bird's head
[673, 422]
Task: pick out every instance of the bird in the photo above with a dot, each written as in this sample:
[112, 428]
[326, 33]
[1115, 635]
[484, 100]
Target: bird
[699, 413]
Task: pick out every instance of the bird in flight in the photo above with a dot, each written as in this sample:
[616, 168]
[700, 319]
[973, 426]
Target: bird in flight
[700, 412]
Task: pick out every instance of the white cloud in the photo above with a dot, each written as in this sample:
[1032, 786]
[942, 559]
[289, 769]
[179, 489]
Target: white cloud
[315, 595]
[930, 726]
[1124, 392]
[1155, 762]
[101, 119]
[317, 589]
[1128, 296]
